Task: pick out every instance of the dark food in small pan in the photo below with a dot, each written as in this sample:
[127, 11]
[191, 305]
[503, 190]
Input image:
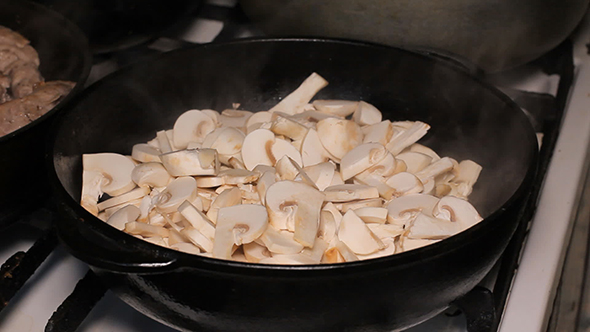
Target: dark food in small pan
[24, 96]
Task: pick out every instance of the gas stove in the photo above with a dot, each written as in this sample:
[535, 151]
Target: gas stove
[62, 295]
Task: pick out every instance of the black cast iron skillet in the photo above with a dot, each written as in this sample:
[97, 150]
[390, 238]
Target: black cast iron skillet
[113, 25]
[469, 119]
[64, 55]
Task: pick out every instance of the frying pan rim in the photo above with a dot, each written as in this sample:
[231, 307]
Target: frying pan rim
[181, 260]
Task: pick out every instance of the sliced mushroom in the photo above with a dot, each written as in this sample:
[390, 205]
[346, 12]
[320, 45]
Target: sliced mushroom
[380, 132]
[371, 214]
[283, 124]
[457, 210]
[350, 192]
[366, 114]
[227, 141]
[361, 158]
[234, 118]
[238, 176]
[238, 224]
[281, 148]
[192, 126]
[124, 215]
[317, 251]
[346, 252]
[357, 236]
[296, 101]
[227, 198]
[145, 153]
[436, 168]
[286, 169]
[404, 183]
[321, 174]
[387, 251]
[386, 167]
[280, 243]
[298, 203]
[416, 147]
[150, 174]
[259, 117]
[209, 181]
[191, 162]
[341, 108]
[415, 161]
[146, 230]
[164, 142]
[123, 198]
[197, 219]
[312, 150]
[255, 252]
[353, 205]
[197, 238]
[178, 190]
[256, 148]
[408, 137]
[403, 209]
[385, 231]
[426, 227]
[331, 131]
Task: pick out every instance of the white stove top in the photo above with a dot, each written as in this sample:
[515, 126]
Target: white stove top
[534, 286]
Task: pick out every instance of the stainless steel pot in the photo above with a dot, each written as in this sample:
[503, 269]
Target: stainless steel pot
[495, 35]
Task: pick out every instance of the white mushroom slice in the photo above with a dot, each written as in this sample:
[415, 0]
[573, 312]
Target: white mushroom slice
[154, 143]
[436, 168]
[163, 142]
[158, 219]
[374, 202]
[194, 145]
[146, 230]
[404, 183]
[213, 114]
[361, 158]
[124, 198]
[387, 251]
[178, 190]
[281, 148]
[279, 243]
[312, 150]
[282, 124]
[342, 108]
[256, 148]
[227, 198]
[175, 237]
[124, 215]
[415, 161]
[145, 153]
[338, 136]
[426, 227]
[226, 140]
[311, 117]
[336, 179]
[350, 192]
[110, 211]
[234, 118]
[316, 253]
[405, 208]
[298, 202]
[296, 101]
[192, 126]
[265, 181]
[259, 117]
[197, 238]
[197, 219]
[238, 176]
[106, 173]
[457, 210]
[370, 214]
[293, 259]
[328, 226]
[386, 167]
[209, 181]
[332, 209]
[145, 207]
[255, 253]
[468, 173]
[191, 162]
[424, 150]
[332, 255]
[237, 225]
[377, 182]
[366, 114]
[286, 169]
[411, 244]
[408, 137]
[429, 187]
[157, 240]
[385, 231]
[357, 236]
[150, 174]
[380, 132]
[321, 174]
[236, 162]
[186, 247]
[347, 253]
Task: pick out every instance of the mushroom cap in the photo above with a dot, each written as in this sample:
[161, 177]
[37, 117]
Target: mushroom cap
[256, 148]
[341, 108]
[350, 192]
[115, 169]
[312, 150]
[152, 174]
[176, 192]
[237, 225]
[366, 114]
[361, 158]
[191, 162]
[124, 215]
[192, 126]
[457, 210]
[332, 130]
[405, 208]
[357, 236]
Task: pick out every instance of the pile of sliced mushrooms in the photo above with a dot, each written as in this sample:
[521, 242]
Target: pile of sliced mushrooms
[306, 182]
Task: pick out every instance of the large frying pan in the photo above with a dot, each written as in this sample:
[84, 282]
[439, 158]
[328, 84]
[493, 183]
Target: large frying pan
[64, 55]
[469, 119]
